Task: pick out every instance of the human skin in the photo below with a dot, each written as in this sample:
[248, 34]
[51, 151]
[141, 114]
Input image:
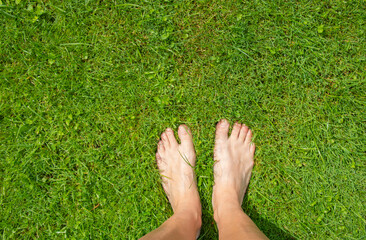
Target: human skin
[233, 158]
[176, 165]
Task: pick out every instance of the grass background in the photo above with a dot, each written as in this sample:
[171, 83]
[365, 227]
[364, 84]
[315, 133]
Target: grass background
[88, 86]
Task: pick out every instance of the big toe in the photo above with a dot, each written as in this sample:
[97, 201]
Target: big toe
[185, 136]
[222, 130]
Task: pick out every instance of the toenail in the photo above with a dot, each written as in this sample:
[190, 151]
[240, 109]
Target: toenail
[223, 122]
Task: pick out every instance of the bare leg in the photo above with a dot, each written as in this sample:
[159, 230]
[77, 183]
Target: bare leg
[232, 170]
[175, 162]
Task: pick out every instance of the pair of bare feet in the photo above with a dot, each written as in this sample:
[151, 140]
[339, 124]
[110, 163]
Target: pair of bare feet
[233, 156]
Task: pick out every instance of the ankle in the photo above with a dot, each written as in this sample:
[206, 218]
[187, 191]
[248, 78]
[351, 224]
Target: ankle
[226, 205]
[190, 210]
[191, 215]
[227, 213]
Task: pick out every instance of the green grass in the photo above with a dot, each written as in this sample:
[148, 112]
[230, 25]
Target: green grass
[88, 86]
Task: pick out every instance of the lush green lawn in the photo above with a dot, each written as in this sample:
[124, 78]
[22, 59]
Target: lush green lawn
[88, 86]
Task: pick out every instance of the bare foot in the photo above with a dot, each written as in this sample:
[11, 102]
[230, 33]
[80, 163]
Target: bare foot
[176, 164]
[233, 165]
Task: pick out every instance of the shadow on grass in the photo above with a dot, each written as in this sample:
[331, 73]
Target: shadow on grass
[272, 231]
[209, 229]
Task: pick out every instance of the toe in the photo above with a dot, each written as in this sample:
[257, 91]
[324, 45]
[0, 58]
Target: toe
[165, 139]
[158, 159]
[171, 137]
[162, 166]
[236, 130]
[243, 132]
[185, 135]
[222, 130]
[252, 148]
[248, 137]
[161, 147]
